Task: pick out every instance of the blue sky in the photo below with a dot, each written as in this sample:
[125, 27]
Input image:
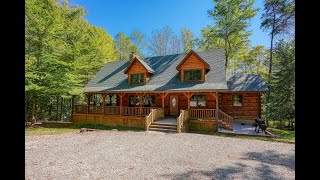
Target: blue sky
[126, 15]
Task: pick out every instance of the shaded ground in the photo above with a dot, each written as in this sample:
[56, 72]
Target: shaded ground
[155, 155]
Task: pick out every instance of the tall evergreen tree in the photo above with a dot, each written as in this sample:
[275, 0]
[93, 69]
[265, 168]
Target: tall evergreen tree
[278, 18]
[282, 97]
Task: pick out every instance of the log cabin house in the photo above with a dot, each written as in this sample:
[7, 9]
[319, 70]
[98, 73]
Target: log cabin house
[190, 88]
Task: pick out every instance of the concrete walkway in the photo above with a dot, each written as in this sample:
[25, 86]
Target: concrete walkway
[243, 129]
[237, 128]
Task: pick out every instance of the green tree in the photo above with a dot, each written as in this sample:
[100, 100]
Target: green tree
[231, 19]
[187, 38]
[282, 97]
[124, 46]
[278, 18]
[62, 51]
[254, 61]
[138, 39]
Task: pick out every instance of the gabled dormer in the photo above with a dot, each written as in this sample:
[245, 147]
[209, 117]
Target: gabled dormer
[193, 68]
[138, 71]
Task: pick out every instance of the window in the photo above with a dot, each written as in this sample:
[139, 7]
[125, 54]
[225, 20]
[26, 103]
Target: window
[136, 78]
[237, 100]
[198, 101]
[192, 75]
[111, 100]
[147, 101]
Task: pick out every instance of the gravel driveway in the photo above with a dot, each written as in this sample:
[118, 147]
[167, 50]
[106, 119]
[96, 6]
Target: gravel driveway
[155, 155]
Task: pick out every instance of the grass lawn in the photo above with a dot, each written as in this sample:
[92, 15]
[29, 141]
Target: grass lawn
[46, 131]
[283, 135]
[76, 128]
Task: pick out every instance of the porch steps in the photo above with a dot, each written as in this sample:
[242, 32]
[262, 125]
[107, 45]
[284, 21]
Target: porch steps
[225, 125]
[163, 127]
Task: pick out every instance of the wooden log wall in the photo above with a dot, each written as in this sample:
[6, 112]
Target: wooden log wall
[109, 120]
[249, 110]
[204, 125]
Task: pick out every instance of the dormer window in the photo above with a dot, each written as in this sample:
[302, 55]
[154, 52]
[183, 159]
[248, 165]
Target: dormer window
[137, 78]
[138, 71]
[193, 68]
[193, 75]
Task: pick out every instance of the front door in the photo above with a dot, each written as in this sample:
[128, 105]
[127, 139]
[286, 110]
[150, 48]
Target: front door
[174, 110]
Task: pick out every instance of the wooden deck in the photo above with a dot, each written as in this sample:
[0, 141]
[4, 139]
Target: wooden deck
[198, 119]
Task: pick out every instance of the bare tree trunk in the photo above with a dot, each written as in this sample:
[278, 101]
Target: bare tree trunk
[57, 108]
[270, 68]
[50, 110]
[72, 105]
[289, 125]
[292, 124]
[26, 111]
[33, 119]
[226, 52]
[61, 108]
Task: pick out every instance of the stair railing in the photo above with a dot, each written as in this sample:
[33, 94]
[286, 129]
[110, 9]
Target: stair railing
[225, 117]
[155, 114]
[183, 117]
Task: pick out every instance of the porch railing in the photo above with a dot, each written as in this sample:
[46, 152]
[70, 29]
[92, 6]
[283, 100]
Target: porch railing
[81, 109]
[225, 117]
[135, 111]
[181, 120]
[110, 110]
[154, 115]
[202, 113]
[210, 114]
[113, 110]
[95, 110]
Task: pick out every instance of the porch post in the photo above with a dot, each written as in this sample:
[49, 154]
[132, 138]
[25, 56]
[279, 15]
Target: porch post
[188, 97]
[259, 101]
[104, 103]
[163, 95]
[120, 105]
[217, 111]
[121, 95]
[140, 112]
[88, 102]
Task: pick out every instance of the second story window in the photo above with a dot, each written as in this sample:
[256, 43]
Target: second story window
[137, 78]
[192, 75]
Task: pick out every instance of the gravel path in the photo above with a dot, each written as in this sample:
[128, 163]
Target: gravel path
[155, 155]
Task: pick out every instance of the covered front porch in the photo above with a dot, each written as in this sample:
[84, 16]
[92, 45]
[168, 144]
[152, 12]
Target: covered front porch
[199, 109]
